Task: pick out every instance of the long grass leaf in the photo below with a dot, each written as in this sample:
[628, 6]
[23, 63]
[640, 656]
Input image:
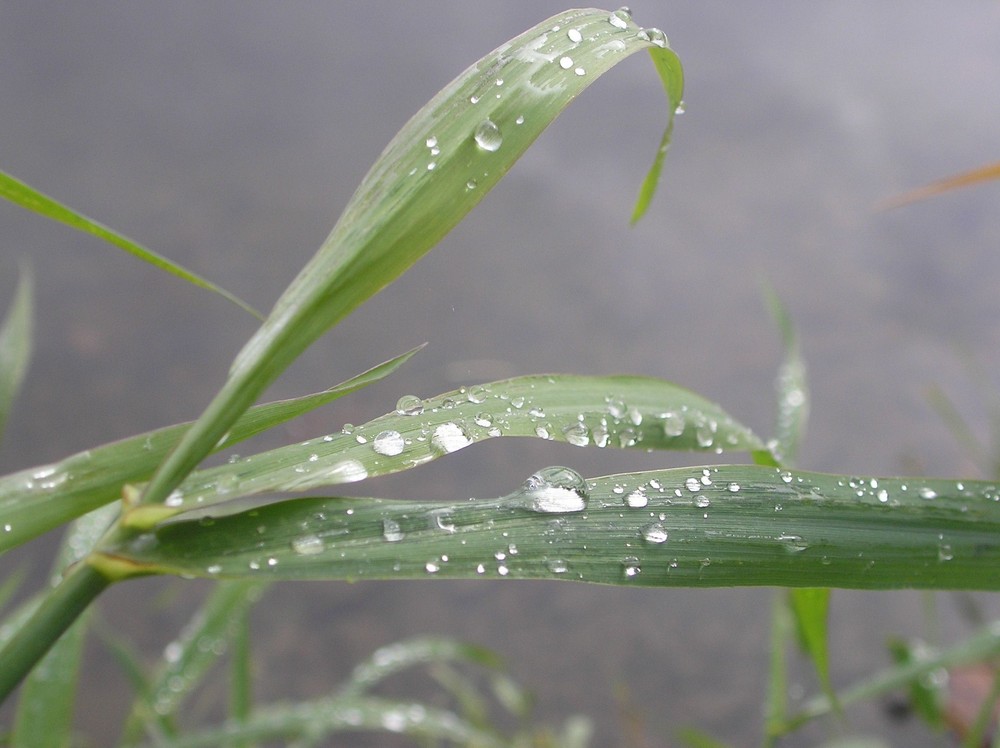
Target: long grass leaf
[15, 344]
[19, 193]
[811, 607]
[38, 499]
[313, 720]
[436, 169]
[614, 411]
[706, 527]
[792, 387]
[965, 179]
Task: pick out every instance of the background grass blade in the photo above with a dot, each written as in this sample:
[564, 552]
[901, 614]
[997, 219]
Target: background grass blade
[15, 344]
[811, 607]
[965, 179]
[791, 385]
[19, 193]
[36, 500]
[436, 169]
[615, 411]
[700, 527]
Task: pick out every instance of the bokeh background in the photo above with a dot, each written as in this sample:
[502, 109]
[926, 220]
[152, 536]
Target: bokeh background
[228, 136]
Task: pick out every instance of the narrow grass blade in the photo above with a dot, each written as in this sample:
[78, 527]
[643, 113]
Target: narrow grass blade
[313, 720]
[792, 387]
[15, 344]
[811, 607]
[616, 411]
[926, 696]
[436, 169]
[980, 647]
[187, 659]
[776, 703]
[965, 179]
[394, 658]
[715, 526]
[44, 716]
[240, 672]
[693, 738]
[19, 193]
[38, 499]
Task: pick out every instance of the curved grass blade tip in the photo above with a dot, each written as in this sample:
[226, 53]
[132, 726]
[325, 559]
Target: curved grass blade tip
[436, 169]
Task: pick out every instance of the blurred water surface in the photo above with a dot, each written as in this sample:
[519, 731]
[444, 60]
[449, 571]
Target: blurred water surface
[228, 136]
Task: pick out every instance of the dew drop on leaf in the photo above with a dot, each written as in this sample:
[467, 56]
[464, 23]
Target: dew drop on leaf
[391, 531]
[449, 437]
[488, 136]
[308, 545]
[409, 405]
[620, 18]
[655, 534]
[636, 499]
[556, 490]
[389, 443]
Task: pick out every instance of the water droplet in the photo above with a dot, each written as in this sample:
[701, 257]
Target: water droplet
[477, 395]
[389, 443]
[655, 533]
[733, 487]
[702, 502]
[214, 569]
[431, 142]
[409, 405]
[557, 566]
[488, 136]
[693, 485]
[346, 471]
[556, 490]
[308, 545]
[449, 437]
[620, 18]
[565, 62]
[705, 433]
[580, 71]
[786, 477]
[432, 567]
[575, 36]
[630, 564]
[519, 120]
[927, 493]
[793, 543]
[577, 434]
[673, 423]
[471, 184]
[542, 433]
[391, 531]
[945, 552]
[484, 419]
[636, 499]
[680, 109]
[657, 37]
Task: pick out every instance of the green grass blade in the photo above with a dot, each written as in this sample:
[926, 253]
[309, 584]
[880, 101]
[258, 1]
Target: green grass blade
[927, 697]
[38, 499]
[44, 716]
[312, 720]
[436, 169]
[980, 647]
[776, 703]
[394, 658]
[811, 607]
[187, 659]
[792, 387]
[19, 193]
[15, 344]
[615, 411]
[240, 673]
[715, 526]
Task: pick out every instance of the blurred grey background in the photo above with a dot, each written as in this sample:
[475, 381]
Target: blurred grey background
[228, 136]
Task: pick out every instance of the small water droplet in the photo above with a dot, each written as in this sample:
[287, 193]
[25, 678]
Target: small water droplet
[519, 120]
[656, 36]
[786, 477]
[565, 62]
[488, 136]
[432, 567]
[673, 423]
[391, 531]
[389, 443]
[702, 502]
[693, 485]
[680, 109]
[556, 490]
[792, 543]
[477, 395]
[620, 18]
[575, 36]
[636, 499]
[431, 142]
[471, 184]
[733, 487]
[630, 564]
[308, 545]
[557, 566]
[580, 71]
[927, 493]
[577, 434]
[408, 405]
[655, 533]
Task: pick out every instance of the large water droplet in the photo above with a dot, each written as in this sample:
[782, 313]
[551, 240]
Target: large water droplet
[389, 443]
[488, 136]
[308, 545]
[449, 437]
[575, 36]
[565, 62]
[673, 423]
[556, 490]
[636, 499]
[577, 434]
[409, 405]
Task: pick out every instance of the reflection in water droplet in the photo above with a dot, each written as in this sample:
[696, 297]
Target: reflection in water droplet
[308, 545]
[388, 443]
[409, 405]
[449, 437]
[655, 534]
[556, 490]
[488, 136]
